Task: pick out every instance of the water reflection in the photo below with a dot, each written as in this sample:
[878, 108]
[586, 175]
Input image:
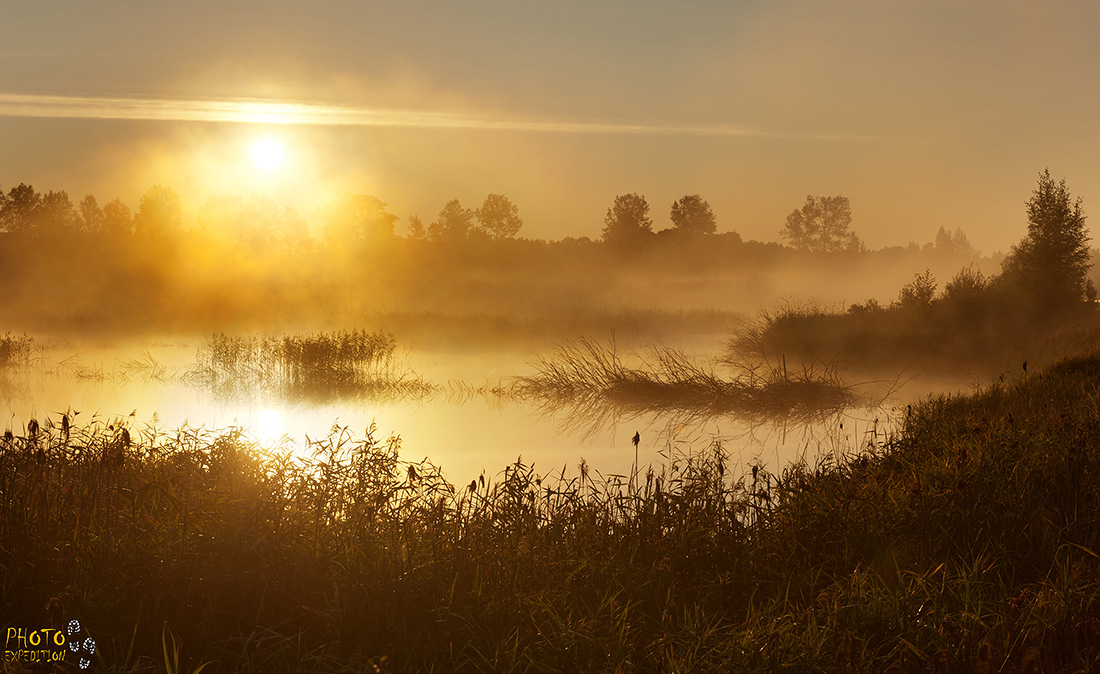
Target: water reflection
[460, 410]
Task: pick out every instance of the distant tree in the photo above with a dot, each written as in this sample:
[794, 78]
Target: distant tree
[1051, 264]
[358, 218]
[117, 219]
[627, 220]
[918, 293]
[954, 243]
[19, 208]
[416, 229]
[159, 212]
[453, 224]
[821, 225]
[91, 215]
[693, 215]
[55, 213]
[499, 217]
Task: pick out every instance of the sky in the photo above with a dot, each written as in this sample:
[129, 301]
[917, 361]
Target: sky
[924, 113]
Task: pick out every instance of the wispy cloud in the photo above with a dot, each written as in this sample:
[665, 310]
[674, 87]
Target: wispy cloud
[256, 111]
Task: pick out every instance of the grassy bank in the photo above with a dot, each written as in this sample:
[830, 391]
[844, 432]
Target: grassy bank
[950, 336]
[967, 541]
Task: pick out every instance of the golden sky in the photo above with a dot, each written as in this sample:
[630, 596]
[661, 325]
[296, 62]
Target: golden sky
[923, 112]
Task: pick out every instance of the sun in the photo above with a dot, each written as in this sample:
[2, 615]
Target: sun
[269, 425]
[268, 154]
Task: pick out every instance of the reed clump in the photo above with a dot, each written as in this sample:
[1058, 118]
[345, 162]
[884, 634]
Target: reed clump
[964, 540]
[315, 367]
[16, 355]
[15, 352]
[593, 379]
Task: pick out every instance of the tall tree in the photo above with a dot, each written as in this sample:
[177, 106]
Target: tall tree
[55, 213]
[416, 229]
[499, 217]
[453, 223]
[91, 215]
[627, 220]
[693, 215]
[17, 214]
[117, 220]
[1051, 263]
[159, 212]
[822, 225]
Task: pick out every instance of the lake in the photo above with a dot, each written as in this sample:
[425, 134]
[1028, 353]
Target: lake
[466, 426]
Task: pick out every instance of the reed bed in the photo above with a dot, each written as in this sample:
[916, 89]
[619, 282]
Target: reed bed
[15, 352]
[965, 541]
[313, 368]
[16, 355]
[591, 378]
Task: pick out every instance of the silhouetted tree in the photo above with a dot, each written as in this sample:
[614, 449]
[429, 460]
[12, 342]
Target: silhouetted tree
[499, 217]
[954, 243]
[159, 212]
[627, 220]
[416, 229]
[1051, 264]
[968, 285]
[693, 215]
[822, 225]
[359, 218]
[55, 214]
[17, 214]
[918, 293]
[453, 223]
[117, 220]
[91, 215]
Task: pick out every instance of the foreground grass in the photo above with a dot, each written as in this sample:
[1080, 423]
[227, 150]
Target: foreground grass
[966, 542]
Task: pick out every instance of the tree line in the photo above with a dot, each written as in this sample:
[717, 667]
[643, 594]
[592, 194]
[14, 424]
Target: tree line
[821, 225]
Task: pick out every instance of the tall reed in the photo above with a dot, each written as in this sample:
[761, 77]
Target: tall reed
[591, 378]
[306, 367]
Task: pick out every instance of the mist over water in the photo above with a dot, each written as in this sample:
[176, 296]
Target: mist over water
[466, 424]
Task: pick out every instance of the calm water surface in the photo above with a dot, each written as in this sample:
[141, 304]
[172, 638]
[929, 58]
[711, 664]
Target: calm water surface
[465, 428]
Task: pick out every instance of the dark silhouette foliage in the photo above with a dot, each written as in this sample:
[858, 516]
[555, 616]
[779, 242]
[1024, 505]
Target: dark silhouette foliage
[918, 293]
[627, 220]
[821, 225]
[1050, 266]
[693, 215]
[453, 224]
[416, 229]
[499, 217]
[159, 212]
[18, 208]
[117, 219]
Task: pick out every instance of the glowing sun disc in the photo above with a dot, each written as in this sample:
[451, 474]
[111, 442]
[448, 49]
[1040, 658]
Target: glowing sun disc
[267, 154]
[269, 426]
